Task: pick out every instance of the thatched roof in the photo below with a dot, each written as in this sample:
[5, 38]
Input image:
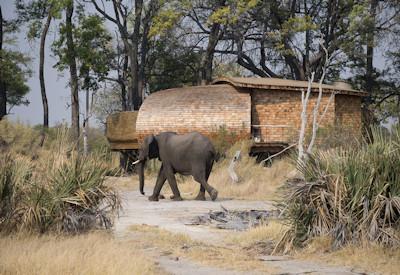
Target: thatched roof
[284, 84]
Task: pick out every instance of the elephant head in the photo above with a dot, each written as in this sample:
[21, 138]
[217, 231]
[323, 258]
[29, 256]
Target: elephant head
[148, 150]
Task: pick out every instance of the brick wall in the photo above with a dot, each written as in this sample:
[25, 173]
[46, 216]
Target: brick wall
[274, 114]
[202, 108]
[278, 114]
[348, 113]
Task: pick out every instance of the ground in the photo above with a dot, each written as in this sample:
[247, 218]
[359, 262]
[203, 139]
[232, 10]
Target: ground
[161, 232]
[161, 238]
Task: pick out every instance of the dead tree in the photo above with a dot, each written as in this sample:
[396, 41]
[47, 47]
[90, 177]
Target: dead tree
[302, 155]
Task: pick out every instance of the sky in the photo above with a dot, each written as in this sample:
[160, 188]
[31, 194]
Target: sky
[56, 83]
[58, 92]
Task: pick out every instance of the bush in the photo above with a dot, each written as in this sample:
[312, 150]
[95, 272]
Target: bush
[60, 190]
[223, 140]
[350, 194]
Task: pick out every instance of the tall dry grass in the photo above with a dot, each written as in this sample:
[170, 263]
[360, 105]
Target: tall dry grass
[256, 182]
[93, 253]
[366, 256]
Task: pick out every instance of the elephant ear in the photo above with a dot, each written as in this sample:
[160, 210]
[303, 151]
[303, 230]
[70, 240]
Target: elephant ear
[150, 148]
[153, 148]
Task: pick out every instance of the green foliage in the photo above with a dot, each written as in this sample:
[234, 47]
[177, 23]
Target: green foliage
[164, 21]
[231, 12]
[93, 50]
[297, 24]
[223, 140]
[14, 74]
[352, 194]
[171, 65]
[34, 12]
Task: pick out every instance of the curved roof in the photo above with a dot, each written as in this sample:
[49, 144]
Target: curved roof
[200, 108]
[283, 84]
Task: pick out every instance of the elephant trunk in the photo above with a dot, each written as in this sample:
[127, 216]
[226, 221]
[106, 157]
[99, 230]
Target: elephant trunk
[141, 176]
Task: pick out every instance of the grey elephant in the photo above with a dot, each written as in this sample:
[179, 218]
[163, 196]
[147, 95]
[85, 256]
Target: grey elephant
[188, 154]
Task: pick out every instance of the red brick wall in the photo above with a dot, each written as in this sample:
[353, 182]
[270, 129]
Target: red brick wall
[202, 108]
[348, 113]
[278, 113]
[206, 108]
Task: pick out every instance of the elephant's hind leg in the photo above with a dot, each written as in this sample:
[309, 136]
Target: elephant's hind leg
[200, 176]
[202, 194]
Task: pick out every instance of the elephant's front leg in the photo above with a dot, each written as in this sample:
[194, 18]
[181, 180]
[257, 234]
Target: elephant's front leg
[159, 184]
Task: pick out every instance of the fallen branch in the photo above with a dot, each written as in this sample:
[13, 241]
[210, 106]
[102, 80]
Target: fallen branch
[277, 154]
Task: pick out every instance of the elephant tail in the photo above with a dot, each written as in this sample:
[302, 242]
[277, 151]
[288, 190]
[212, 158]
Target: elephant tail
[214, 156]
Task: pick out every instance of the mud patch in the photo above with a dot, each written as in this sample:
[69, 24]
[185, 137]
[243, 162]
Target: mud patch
[238, 220]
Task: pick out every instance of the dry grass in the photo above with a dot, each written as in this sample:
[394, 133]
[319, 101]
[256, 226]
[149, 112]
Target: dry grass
[256, 182]
[272, 231]
[94, 253]
[180, 245]
[370, 257]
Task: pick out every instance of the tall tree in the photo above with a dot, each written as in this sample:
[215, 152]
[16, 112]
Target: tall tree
[93, 53]
[135, 39]
[71, 60]
[39, 14]
[13, 71]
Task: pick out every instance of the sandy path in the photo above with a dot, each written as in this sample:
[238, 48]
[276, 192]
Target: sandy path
[172, 216]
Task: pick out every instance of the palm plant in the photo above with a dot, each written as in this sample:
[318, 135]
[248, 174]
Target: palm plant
[61, 191]
[350, 194]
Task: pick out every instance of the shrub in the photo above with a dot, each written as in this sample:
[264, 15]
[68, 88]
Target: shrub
[61, 190]
[223, 140]
[350, 194]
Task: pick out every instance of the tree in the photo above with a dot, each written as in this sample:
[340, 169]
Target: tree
[35, 13]
[71, 61]
[148, 21]
[86, 49]
[13, 71]
[93, 53]
[64, 49]
[202, 18]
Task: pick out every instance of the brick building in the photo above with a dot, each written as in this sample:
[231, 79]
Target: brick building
[265, 109]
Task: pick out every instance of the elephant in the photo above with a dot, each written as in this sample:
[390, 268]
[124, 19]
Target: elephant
[187, 154]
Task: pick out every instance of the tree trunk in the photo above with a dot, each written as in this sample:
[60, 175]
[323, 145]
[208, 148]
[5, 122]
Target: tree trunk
[122, 83]
[369, 77]
[41, 78]
[3, 94]
[208, 56]
[136, 94]
[73, 73]
[144, 48]
[86, 126]
[41, 72]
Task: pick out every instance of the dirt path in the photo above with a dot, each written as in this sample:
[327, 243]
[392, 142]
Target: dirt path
[173, 216]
